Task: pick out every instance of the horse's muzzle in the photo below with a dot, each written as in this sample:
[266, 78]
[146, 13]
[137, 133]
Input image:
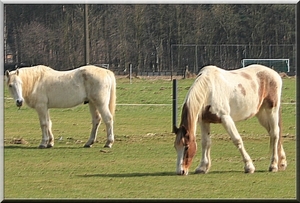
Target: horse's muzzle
[19, 102]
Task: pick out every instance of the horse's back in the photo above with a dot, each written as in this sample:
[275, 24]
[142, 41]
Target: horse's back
[94, 76]
[259, 71]
[242, 92]
[251, 76]
[250, 72]
[91, 72]
[99, 82]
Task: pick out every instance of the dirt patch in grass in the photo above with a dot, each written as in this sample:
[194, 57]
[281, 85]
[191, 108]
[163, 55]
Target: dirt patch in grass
[18, 141]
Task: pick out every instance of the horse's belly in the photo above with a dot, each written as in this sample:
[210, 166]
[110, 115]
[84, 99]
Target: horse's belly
[243, 111]
[66, 98]
[64, 104]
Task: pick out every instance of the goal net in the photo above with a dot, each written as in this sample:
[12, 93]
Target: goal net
[279, 65]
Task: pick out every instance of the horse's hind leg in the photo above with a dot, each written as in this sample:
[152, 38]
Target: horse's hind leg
[108, 120]
[269, 119]
[282, 162]
[50, 134]
[229, 125]
[205, 162]
[96, 121]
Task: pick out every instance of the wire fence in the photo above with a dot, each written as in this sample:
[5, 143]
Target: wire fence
[183, 58]
[228, 56]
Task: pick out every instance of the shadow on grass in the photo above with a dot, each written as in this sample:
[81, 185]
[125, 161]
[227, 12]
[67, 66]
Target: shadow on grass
[241, 172]
[159, 174]
[124, 175]
[36, 147]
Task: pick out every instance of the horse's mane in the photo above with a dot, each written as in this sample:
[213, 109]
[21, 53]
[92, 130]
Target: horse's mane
[31, 76]
[195, 101]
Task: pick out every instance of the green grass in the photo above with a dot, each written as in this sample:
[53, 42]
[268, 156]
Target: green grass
[141, 163]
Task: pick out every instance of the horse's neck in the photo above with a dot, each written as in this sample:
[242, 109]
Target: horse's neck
[188, 119]
[194, 104]
[30, 77]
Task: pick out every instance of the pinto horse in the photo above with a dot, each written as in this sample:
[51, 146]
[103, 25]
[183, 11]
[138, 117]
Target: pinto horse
[220, 96]
[42, 88]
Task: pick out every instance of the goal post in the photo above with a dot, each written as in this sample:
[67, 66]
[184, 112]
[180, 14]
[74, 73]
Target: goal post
[279, 65]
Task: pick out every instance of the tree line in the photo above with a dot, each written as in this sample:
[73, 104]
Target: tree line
[139, 34]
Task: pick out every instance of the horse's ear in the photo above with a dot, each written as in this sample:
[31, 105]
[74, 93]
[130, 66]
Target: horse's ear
[17, 71]
[7, 74]
[184, 130]
[175, 129]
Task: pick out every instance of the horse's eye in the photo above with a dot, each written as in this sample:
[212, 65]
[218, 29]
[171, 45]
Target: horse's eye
[186, 147]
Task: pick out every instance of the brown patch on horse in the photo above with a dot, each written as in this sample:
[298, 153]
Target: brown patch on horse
[84, 75]
[267, 90]
[190, 151]
[185, 117]
[184, 128]
[186, 138]
[188, 141]
[178, 134]
[243, 91]
[246, 75]
[209, 117]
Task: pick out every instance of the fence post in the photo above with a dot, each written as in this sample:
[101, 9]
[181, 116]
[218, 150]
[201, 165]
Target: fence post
[130, 72]
[86, 36]
[174, 115]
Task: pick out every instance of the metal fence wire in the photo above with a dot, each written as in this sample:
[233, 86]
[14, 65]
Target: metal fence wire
[227, 56]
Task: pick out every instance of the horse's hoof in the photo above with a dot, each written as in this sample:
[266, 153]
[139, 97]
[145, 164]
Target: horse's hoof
[108, 146]
[273, 169]
[49, 146]
[42, 147]
[87, 146]
[183, 173]
[249, 170]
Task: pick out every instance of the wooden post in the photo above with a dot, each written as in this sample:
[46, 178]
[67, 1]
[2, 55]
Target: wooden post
[86, 36]
[174, 115]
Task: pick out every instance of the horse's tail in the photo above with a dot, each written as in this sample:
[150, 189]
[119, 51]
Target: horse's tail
[113, 96]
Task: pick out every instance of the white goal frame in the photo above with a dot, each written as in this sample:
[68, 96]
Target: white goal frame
[286, 60]
[102, 65]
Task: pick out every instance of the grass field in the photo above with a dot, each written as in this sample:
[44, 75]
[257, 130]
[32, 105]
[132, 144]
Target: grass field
[141, 163]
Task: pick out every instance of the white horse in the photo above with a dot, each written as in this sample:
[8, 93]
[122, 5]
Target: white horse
[43, 88]
[220, 96]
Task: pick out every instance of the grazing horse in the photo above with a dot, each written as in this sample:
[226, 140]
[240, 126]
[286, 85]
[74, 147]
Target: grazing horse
[220, 96]
[43, 88]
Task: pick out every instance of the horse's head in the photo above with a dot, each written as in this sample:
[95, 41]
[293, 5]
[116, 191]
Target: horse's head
[186, 147]
[14, 84]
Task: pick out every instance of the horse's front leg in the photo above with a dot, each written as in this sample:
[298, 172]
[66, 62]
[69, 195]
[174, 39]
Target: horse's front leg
[96, 121]
[230, 127]
[45, 124]
[205, 162]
